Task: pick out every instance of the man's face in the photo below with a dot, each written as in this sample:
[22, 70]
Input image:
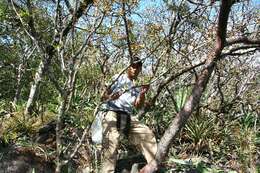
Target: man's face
[133, 71]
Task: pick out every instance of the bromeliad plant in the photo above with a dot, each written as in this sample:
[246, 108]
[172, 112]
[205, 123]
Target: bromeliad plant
[199, 131]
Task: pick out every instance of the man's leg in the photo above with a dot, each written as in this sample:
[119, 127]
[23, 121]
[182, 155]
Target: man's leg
[110, 143]
[141, 136]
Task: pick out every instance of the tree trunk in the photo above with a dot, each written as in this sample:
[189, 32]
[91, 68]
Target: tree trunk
[50, 49]
[18, 85]
[200, 85]
[72, 82]
[63, 103]
[19, 76]
[37, 79]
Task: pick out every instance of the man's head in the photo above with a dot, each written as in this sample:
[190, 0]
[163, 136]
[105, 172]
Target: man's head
[135, 68]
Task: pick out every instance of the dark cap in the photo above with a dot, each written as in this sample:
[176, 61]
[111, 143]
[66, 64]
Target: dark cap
[136, 61]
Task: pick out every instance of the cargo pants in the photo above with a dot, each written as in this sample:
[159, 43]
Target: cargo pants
[139, 135]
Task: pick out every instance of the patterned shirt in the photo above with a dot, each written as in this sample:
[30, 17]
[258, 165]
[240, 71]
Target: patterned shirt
[126, 101]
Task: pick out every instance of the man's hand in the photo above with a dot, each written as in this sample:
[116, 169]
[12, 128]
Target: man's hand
[141, 98]
[107, 95]
[115, 96]
[144, 89]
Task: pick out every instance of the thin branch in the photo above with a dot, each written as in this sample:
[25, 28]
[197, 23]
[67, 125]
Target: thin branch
[127, 32]
[57, 17]
[172, 98]
[83, 6]
[196, 3]
[242, 39]
[155, 69]
[24, 24]
[31, 20]
[72, 35]
[89, 36]
[55, 82]
[219, 87]
[233, 52]
[69, 6]
[171, 78]
[76, 148]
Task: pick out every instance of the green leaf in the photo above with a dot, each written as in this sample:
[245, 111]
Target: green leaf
[24, 14]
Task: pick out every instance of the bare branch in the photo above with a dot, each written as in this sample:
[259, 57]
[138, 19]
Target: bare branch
[69, 6]
[57, 16]
[219, 87]
[83, 6]
[76, 148]
[31, 20]
[244, 40]
[94, 29]
[173, 99]
[242, 53]
[171, 78]
[127, 32]
[24, 24]
[196, 3]
[55, 82]
[200, 85]
[234, 51]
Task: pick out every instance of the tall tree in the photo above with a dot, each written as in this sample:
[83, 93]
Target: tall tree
[201, 82]
[48, 50]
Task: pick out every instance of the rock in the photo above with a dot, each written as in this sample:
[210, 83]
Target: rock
[131, 163]
[23, 160]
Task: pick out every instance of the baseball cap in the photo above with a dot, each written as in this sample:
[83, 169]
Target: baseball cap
[136, 61]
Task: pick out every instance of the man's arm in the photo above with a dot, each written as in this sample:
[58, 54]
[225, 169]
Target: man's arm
[107, 95]
[139, 102]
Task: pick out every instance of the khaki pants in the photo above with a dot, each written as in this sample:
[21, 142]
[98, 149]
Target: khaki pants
[140, 135]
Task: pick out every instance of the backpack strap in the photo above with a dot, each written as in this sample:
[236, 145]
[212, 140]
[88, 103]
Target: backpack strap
[123, 122]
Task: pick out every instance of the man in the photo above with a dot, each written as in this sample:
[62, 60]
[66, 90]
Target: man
[119, 102]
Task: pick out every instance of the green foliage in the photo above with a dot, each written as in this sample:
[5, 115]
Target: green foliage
[219, 131]
[78, 121]
[199, 131]
[7, 74]
[14, 127]
[181, 96]
[248, 120]
[17, 127]
[161, 118]
[195, 165]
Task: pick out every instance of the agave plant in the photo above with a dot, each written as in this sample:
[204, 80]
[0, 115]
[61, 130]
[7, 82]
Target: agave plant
[199, 130]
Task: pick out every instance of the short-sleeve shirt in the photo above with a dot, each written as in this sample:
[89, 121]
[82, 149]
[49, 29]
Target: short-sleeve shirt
[126, 101]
